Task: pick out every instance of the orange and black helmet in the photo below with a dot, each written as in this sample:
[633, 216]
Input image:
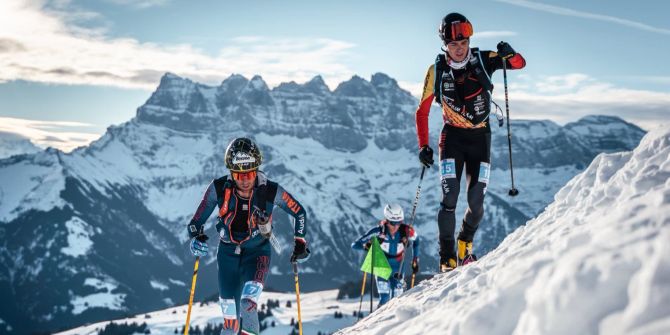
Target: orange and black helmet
[243, 155]
[455, 27]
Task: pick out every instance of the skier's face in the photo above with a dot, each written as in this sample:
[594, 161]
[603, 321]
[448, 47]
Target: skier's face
[244, 180]
[458, 50]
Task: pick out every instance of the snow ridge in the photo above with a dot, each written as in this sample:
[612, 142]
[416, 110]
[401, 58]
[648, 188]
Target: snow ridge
[594, 262]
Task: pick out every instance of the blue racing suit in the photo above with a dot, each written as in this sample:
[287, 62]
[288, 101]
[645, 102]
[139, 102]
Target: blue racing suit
[243, 257]
[393, 246]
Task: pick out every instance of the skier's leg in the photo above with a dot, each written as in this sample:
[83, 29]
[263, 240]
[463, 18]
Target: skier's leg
[478, 169]
[384, 290]
[229, 288]
[451, 167]
[255, 266]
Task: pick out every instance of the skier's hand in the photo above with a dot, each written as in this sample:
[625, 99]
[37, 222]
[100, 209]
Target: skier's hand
[199, 245]
[415, 265]
[367, 245]
[505, 50]
[426, 156]
[300, 251]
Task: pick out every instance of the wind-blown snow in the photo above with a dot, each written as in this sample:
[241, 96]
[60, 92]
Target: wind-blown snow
[596, 261]
[78, 238]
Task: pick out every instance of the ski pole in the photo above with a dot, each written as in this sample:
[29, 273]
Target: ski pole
[372, 274]
[190, 299]
[360, 304]
[297, 294]
[413, 276]
[414, 206]
[512, 191]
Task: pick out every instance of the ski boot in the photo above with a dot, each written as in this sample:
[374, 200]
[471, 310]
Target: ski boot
[464, 254]
[448, 265]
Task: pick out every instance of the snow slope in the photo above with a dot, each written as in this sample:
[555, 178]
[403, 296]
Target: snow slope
[596, 261]
[317, 310]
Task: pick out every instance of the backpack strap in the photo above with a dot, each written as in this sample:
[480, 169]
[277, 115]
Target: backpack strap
[440, 67]
[476, 64]
[480, 72]
[224, 189]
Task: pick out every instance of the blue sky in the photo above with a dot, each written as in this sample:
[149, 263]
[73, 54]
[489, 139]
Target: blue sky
[70, 68]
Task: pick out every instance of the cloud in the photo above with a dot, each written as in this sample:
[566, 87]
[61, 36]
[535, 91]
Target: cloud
[571, 12]
[42, 43]
[63, 135]
[139, 4]
[492, 34]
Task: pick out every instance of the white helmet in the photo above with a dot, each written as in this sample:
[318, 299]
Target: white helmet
[393, 213]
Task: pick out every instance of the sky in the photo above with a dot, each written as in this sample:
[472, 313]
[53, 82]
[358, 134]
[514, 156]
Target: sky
[71, 68]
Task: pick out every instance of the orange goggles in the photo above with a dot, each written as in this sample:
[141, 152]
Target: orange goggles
[240, 176]
[461, 30]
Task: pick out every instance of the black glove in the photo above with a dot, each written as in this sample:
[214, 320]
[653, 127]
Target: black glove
[505, 50]
[195, 231]
[300, 251]
[415, 265]
[426, 156]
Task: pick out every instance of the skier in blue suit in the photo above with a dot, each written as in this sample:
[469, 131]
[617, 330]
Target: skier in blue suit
[394, 237]
[245, 200]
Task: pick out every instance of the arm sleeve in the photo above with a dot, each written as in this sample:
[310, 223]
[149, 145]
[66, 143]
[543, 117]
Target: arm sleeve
[515, 62]
[292, 207]
[361, 241]
[207, 205]
[422, 112]
[414, 237]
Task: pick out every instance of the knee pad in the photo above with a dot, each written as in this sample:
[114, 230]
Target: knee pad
[252, 291]
[228, 308]
[383, 287]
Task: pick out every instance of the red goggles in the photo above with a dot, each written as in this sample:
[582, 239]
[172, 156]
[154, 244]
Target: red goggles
[241, 176]
[461, 30]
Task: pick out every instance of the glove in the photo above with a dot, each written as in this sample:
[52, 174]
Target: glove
[426, 156]
[199, 245]
[415, 265]
[300, 251]
[505, 50]
[367, 246]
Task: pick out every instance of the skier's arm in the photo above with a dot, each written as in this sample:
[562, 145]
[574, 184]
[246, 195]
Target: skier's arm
[207, 205]
[422, 112]
[293, 208]
[360, 243]
[514, 60]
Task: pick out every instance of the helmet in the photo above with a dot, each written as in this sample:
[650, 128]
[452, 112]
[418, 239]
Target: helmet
[393, 213]
[455, 27]
[243, 155]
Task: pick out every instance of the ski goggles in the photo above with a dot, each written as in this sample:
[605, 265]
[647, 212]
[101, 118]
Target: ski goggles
[243, 176]
[395, 223]
[461, 30]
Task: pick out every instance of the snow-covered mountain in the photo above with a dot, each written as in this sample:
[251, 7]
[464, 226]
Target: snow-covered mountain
[12, 144]
[99, 232]
[594, 262]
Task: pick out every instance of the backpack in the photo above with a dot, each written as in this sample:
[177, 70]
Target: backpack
[476, 64]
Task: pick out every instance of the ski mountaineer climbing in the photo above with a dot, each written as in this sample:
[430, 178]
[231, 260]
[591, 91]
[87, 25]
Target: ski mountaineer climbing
[460, 81]
[245, 199]
[394, 236]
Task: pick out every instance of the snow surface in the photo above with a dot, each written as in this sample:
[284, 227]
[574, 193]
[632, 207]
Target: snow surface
[104, 299]
[596, 261]
[158, 285]
[317, 310]
[78, 238]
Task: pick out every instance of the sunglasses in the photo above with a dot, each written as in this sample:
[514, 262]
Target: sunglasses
[242, 176]
[461, 30]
